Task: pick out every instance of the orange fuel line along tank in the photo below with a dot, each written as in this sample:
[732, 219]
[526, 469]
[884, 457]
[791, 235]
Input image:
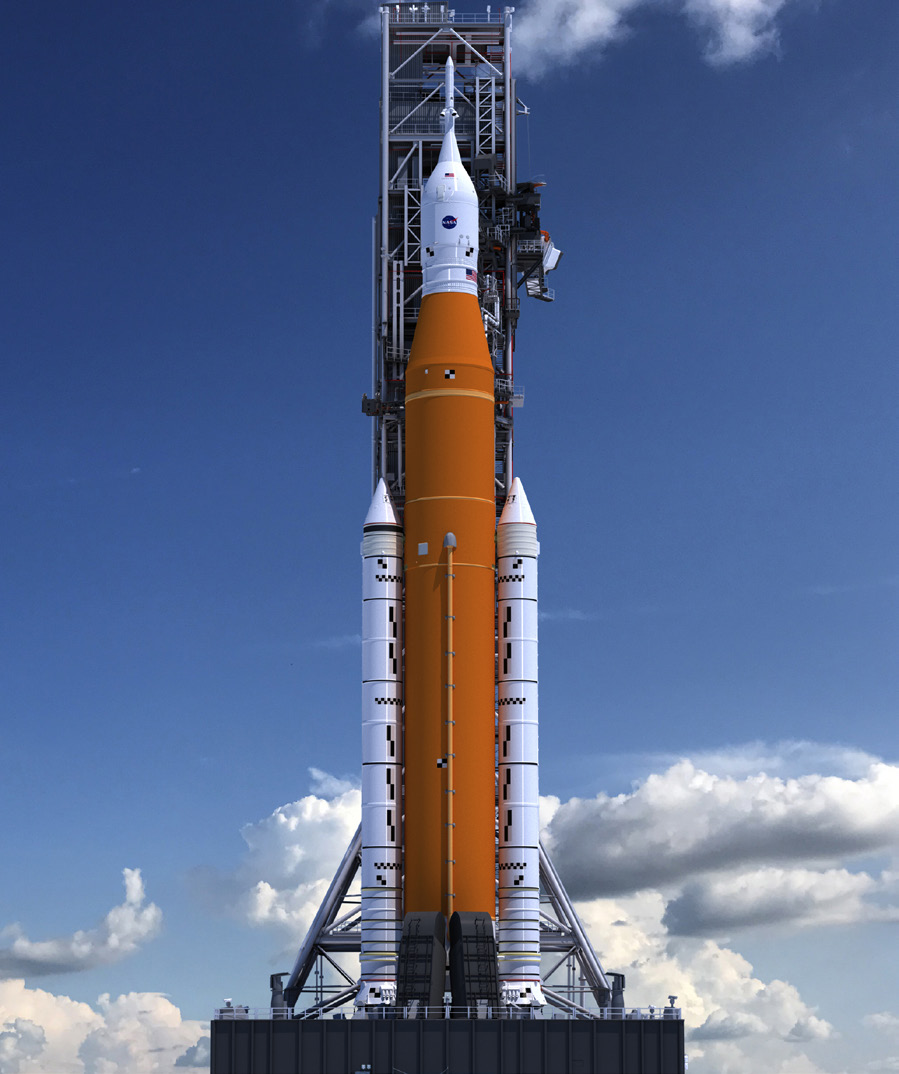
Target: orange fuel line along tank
[449, 489]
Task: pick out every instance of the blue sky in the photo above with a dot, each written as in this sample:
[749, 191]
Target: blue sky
[708, 443]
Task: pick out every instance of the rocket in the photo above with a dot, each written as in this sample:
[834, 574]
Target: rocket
[449, 790]
[450, 516]
[518, 806]
[382, 747]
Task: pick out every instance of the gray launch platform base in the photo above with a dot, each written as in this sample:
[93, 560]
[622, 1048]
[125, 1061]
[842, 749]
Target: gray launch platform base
[453, 1046]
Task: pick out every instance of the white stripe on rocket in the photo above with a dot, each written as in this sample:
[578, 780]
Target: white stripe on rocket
[517, 793]
[382, 750]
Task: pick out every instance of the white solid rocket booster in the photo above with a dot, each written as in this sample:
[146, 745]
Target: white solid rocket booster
[518, 952]
[382, 752]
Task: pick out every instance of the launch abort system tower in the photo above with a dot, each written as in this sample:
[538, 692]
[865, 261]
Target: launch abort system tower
[472, 958]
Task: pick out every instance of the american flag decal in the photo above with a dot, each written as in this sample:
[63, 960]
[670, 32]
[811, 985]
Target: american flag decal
[470, 274]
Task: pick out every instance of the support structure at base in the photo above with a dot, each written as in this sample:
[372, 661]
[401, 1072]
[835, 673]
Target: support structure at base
[448, 1046]
[562, 935]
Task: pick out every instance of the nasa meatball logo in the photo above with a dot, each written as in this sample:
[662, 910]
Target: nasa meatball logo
[449, 222]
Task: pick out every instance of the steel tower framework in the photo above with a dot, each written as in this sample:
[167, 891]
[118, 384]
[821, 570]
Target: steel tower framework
[514, 254]
[416, 39]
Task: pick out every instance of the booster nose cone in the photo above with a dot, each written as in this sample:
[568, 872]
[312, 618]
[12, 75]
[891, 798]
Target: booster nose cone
[516, 531]
[382, 513]
[517, 509]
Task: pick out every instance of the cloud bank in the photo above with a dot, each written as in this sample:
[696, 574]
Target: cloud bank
[803, 897]
[725, 852]
[291, 857]
[20, 1040]
[789, 758]
[197, 1055]
[883, 1022]
[137, 1033]
[552, 33]
[663, 875]
[119, 934]
[686, 822]
[738, 1022]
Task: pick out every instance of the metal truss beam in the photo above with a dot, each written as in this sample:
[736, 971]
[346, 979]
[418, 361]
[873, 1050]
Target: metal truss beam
[334, 933]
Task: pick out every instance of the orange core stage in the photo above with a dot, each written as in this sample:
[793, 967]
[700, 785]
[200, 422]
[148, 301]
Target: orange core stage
[449, 490]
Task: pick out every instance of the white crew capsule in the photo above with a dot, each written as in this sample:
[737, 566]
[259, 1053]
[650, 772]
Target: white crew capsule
[449, 215]
[518, 930]
[382, 750]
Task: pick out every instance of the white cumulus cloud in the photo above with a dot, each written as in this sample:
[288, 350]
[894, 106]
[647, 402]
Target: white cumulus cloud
[20, 1039]
[553, 32]
[292, 855]
[140, 1031]
[809, 1027]
[786, 758]
[137, 1033]
[120, 933]
[722, 1026]
[805, 897]
[742, 1023]
[883, 1022]
[737, 30]
[197, 1055]
[686, 822]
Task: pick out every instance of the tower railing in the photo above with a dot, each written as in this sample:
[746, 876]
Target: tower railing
[439, 13]
[447, 1010]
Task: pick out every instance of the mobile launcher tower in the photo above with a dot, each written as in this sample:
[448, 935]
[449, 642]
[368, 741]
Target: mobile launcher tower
[472, 957]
